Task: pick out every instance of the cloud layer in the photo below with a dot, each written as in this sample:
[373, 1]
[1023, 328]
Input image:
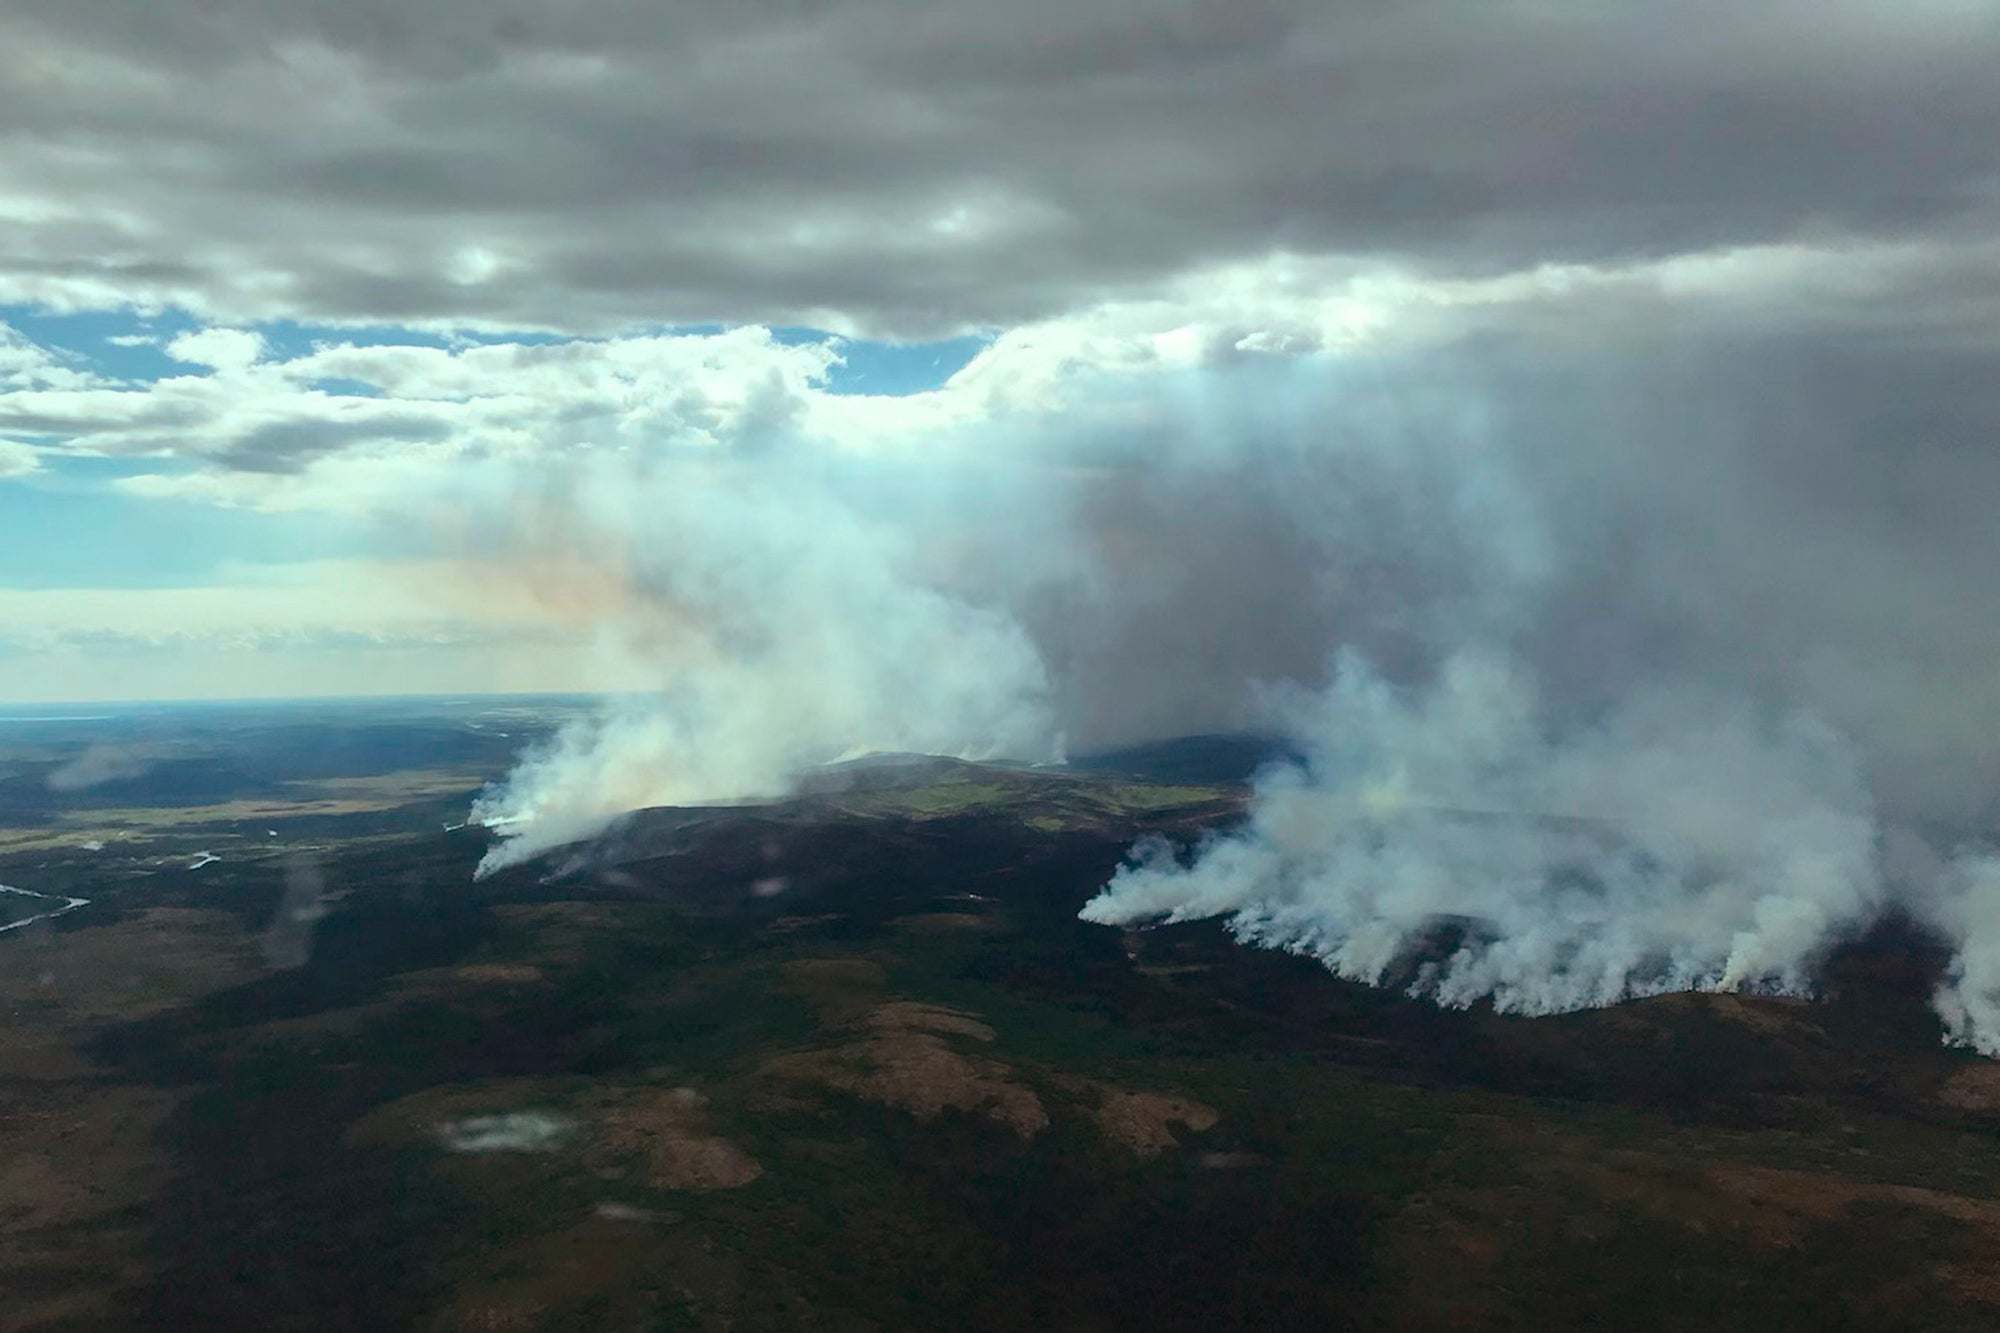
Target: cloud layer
[872, 166]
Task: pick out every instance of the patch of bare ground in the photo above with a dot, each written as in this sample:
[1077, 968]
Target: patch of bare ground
[1785, 1200]
[80, 1162]
[421, 1114]
[499, 974]
[815, 976]
[1142, 1121]
[434, 981]
[78, 1168]
[840, 989]
[564, 932]
[932, 923]
[1769, 1207]
[425, 984]
[1766, 1205]
[911, 1015]
[1452, 1248]
[1973, 1088]
[69, 1151]
[666, 1130]
[899, 1055]
[1776, 1016]
[1817, 1196]
[549, 1280]
[130, 968]
[786, 925]
[1771, 1015]
[308, 1030]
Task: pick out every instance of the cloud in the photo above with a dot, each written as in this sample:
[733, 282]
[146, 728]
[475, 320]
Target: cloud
[218, 349]
[421, 405]
[25, 364]
[17, 460]
[304, 429]
[839, 166]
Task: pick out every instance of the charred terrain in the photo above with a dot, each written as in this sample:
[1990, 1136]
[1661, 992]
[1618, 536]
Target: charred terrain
[850, 1061]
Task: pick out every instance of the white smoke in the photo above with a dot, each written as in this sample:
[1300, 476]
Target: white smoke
[1609, 683]
[1663, 750]
[1675, 844]
[795, 603]
[1964, 904]
[786, 626]
[99, 764]
[288, 939]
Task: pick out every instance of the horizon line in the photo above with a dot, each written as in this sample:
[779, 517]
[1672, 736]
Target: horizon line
[44, 705]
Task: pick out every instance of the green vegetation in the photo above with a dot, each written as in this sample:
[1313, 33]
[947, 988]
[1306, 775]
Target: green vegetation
[1043, 802]
[906, 1088]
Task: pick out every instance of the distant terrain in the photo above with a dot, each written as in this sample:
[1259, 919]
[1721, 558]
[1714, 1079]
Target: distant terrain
[849, 1061]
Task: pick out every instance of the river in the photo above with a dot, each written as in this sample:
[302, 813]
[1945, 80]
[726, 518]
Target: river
[68, 905]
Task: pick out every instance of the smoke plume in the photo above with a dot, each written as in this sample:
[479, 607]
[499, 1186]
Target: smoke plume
[1667, 754]
[786, 627]
[1672, 844]
[99, 764]
[1612, 674]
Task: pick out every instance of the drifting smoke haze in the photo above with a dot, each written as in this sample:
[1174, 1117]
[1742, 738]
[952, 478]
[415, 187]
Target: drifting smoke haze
[97, 765]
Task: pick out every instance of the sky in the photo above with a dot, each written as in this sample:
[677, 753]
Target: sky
[275, 275]
[1526, 406]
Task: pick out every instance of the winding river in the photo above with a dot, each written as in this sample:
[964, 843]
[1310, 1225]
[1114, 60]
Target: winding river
[68, 905]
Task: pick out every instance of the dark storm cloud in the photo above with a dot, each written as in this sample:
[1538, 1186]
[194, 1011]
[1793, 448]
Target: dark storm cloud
[591, 164]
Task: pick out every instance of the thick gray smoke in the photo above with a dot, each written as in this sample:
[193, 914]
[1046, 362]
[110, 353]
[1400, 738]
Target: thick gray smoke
[1667, 752]
[1610, 680]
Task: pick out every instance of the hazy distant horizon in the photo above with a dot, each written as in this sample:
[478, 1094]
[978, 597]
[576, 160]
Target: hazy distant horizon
[27, 708]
